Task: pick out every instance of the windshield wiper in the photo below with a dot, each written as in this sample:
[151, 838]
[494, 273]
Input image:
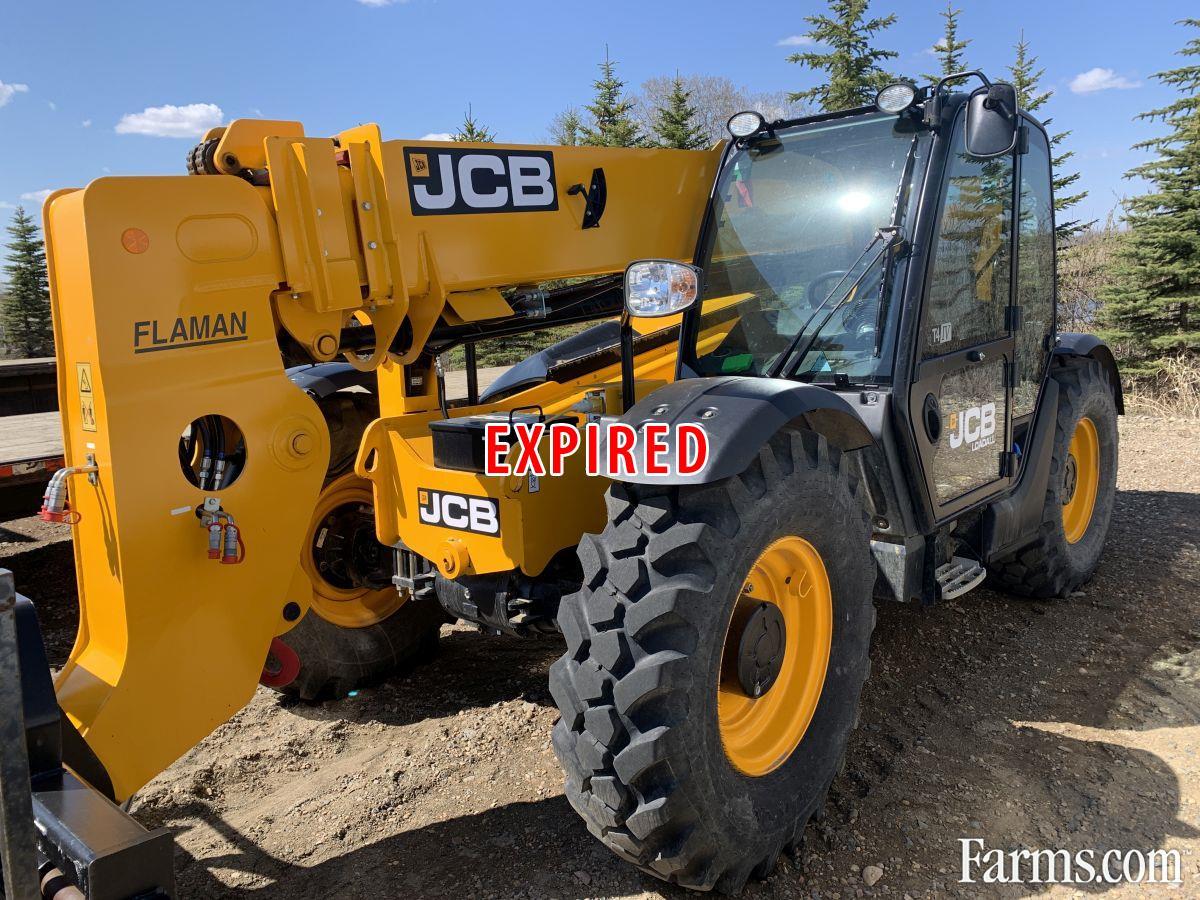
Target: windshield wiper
[889, 235]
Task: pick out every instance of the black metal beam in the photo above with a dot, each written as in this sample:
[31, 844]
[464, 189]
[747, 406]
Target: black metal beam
[18, 835]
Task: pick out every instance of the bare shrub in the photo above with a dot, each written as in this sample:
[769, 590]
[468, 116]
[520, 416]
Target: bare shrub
[1174, 391]
[1084, 265]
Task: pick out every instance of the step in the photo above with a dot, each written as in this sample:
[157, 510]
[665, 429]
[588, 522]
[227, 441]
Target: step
[958, 576]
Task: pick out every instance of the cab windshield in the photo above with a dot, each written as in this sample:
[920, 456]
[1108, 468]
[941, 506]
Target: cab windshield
[791, 252]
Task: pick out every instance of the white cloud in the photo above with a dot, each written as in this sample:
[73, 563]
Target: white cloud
[37, 196]
[86, 123]
[796, 40]
[437, 135]
[53, 106]
[7, 91]
[172, 121]
[4, 204]
[1099, 79]
[378, 3]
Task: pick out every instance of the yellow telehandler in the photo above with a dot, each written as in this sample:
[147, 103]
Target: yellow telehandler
[268, 481]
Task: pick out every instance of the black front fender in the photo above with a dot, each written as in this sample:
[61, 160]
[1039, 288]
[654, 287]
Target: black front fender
[739, 415]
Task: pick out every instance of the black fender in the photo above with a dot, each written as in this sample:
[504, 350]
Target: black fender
[1080, 345]
[322, 379]
[739, 415]
[1013, 520]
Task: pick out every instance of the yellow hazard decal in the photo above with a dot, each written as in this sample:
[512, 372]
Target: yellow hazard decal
[87, 399]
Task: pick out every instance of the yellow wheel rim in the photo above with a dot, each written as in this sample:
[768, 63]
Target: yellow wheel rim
[1081, 480]
[760, 733]
[355, 607]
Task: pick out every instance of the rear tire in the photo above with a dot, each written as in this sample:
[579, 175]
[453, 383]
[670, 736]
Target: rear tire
[335, 659]
[1067, 549]
[640, 738]
[340, 645]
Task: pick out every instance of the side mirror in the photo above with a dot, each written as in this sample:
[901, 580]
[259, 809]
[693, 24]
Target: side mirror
[992, 121]
[660, 287]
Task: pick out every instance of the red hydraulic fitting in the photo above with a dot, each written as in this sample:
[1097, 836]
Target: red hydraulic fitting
[58, 516]
[214, 540]
[229, 555]
[55, 507]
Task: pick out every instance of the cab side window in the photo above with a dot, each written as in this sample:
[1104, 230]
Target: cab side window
[969, 284]
[1035, 266]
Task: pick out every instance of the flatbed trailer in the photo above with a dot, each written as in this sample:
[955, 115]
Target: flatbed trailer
[31, 450]
[28, 386]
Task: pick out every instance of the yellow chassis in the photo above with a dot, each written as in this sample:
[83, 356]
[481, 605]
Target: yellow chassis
[169, 295]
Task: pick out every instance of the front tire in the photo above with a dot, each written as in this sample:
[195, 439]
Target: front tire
[664, 760]
[1080, 493]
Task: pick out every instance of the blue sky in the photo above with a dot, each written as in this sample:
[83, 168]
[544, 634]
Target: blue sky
[82, 81]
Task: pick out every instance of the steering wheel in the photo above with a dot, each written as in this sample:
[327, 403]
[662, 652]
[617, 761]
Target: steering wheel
[826, 281]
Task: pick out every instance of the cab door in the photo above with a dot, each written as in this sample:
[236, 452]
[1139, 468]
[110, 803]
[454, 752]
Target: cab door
[961, 396]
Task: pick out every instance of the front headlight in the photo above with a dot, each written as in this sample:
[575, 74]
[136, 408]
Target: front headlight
[660, 287]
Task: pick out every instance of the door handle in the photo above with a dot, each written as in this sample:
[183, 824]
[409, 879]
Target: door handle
[932, 416]
[976, 355]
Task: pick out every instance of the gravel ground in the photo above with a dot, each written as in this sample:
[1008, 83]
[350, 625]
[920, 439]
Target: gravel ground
[1072, 724]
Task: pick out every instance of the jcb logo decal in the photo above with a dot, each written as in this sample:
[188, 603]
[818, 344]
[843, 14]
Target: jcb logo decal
[454, 180]
[459, 511]
[975, 427]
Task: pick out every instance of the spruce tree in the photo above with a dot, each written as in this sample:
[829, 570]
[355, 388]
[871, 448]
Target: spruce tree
[851, 64]
[613, 124]
[675, 121]
[949, 50]
[565, 128]
[25, 310]
[1151, 305]
[1025, 77]
[471, 132]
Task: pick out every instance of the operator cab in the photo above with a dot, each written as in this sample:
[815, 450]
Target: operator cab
[792, 245]
[902, 256]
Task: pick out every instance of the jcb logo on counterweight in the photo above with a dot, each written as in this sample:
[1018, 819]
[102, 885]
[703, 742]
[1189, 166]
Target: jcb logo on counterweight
[461, 512]
[453, 180]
